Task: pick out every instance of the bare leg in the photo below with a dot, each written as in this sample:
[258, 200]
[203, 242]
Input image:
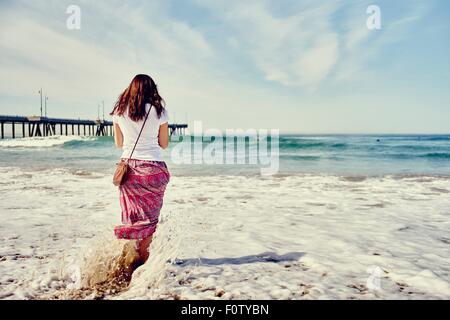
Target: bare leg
[142, 248]
[127, 262]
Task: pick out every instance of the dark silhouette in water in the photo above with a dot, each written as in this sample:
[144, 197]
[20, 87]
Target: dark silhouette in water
[263, 257]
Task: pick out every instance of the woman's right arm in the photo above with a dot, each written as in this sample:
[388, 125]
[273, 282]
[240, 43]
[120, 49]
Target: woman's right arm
[163, 137]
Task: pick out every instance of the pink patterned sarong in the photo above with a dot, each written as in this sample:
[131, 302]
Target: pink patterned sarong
[141, 198]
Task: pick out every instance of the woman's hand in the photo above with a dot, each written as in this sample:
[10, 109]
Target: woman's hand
[163, 137]
[118, 136]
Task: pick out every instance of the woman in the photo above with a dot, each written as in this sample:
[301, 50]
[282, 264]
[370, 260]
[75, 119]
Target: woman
[142, 191]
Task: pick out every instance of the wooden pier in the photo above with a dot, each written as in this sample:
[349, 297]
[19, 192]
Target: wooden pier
[36, 126]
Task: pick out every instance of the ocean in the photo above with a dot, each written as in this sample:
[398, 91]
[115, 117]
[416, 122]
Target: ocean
[347, 155]
[344, 217]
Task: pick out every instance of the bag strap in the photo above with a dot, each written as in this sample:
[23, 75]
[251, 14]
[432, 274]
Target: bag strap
[140, 132]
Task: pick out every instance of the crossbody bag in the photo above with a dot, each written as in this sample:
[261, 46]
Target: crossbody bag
[122, 166]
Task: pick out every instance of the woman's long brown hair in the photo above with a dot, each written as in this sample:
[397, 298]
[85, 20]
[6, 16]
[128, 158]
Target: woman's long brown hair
[142, 90]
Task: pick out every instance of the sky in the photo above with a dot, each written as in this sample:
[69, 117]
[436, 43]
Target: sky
[300, 66]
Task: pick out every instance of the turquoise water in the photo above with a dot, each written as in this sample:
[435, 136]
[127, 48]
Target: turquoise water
[324, 154]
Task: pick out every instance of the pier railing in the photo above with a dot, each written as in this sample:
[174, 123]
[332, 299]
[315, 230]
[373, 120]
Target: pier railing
[35, 126]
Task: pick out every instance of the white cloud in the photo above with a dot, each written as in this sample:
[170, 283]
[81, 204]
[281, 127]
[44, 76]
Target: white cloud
[84, 69]
[298, 49]
[78, 69]
[360, 46]
[305, 47]
[316, 63]
[308, 45]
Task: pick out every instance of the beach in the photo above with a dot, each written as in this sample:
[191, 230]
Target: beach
[289, 236]
[307, 144]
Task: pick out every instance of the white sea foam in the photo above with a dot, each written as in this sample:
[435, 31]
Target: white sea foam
[41, 142]
[291, 237]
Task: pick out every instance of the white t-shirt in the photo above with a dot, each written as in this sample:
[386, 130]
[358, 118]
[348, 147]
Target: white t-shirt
[148, 147]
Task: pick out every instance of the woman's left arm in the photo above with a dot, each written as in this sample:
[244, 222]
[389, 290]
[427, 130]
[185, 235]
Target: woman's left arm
[118, 136]
[163, 136]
